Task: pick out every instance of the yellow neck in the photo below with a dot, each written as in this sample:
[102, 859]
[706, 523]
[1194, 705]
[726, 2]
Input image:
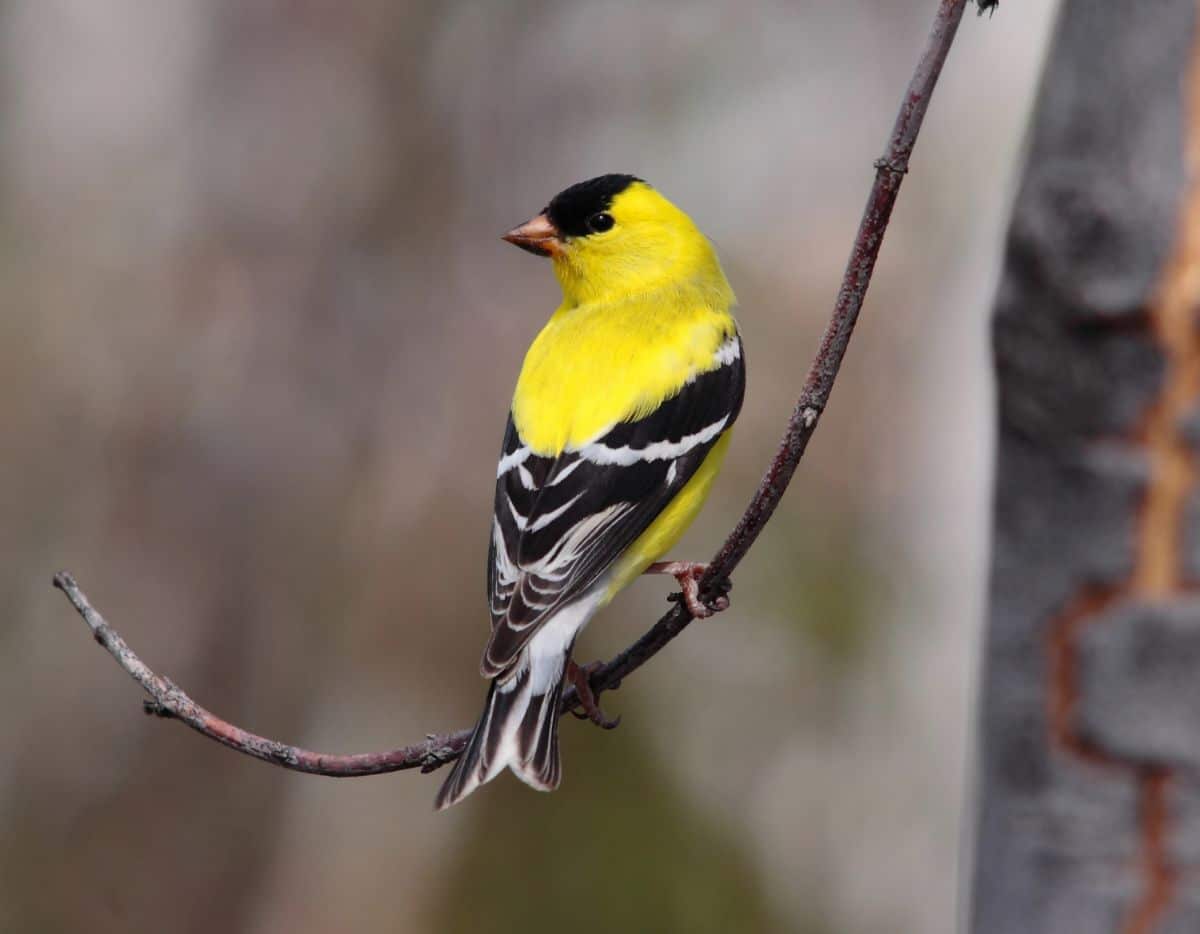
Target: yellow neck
[679, 267]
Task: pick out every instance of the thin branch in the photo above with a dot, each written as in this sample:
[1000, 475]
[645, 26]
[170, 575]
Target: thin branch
[167, 700]
[890, 170]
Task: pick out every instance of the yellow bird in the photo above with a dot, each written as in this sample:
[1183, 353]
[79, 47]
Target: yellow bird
[619, 423]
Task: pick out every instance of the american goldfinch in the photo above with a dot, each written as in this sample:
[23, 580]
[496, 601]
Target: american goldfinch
[619, 423]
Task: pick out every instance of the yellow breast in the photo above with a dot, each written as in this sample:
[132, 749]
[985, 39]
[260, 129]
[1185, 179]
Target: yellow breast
[595, 365]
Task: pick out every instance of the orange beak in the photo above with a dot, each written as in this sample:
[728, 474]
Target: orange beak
[538, 236]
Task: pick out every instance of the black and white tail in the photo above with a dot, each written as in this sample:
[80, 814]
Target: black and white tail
[518, 730]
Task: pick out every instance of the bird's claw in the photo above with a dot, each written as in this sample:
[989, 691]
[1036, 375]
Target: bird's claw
[580, 676]
[688, 574]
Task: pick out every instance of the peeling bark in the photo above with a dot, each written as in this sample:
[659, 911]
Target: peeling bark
[1089, 814]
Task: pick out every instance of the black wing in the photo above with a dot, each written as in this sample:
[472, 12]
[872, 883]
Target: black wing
[559, 523]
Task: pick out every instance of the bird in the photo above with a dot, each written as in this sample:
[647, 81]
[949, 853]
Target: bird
[619, 423]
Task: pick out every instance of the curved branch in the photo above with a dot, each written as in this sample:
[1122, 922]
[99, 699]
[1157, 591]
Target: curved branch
[167, 700]
[890, 170]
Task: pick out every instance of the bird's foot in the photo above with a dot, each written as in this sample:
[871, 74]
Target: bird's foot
[688, 574]
[580, 676]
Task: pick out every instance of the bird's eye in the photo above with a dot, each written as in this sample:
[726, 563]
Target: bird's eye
[598, 223]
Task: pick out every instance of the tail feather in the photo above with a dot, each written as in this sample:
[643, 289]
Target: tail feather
[539, 765]
[518, 729]
[519, 725]
[490, 747]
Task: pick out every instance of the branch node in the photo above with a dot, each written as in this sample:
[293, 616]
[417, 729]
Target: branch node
[281, 752]
[894, 166]
[152, 708]
[436, 758]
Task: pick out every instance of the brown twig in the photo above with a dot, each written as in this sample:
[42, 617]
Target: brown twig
[890, 170]
[169, 701]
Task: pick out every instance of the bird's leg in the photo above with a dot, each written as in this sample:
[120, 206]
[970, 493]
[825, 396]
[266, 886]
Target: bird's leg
[688, 574]
[580, 677]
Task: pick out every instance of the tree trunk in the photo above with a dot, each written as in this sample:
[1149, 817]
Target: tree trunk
[1090, 713]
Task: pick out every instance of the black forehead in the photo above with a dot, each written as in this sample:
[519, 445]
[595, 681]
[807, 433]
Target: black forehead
[570, 209]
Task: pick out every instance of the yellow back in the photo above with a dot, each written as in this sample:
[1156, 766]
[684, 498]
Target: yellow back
[645, 306]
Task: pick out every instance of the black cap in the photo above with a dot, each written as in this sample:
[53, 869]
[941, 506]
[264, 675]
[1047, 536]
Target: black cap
[570, 209]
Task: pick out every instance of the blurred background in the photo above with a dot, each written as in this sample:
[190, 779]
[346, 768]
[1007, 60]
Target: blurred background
[257, 342]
